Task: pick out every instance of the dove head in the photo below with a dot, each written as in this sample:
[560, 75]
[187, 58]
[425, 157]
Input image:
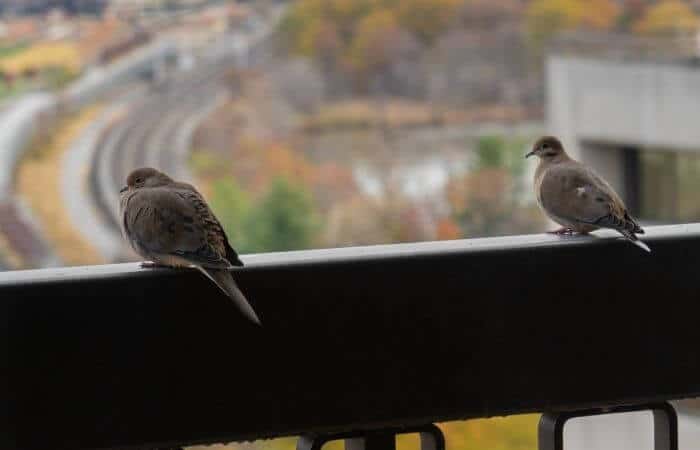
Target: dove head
[548, 148]
[146, 177]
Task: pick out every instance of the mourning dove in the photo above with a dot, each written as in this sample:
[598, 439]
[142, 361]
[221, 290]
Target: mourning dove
[574, 196]
[169, 223]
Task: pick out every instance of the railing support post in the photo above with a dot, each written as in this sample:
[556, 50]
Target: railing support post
[431, 438]
[551, 427]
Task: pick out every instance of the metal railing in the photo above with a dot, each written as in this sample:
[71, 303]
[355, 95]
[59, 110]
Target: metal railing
[389, 338]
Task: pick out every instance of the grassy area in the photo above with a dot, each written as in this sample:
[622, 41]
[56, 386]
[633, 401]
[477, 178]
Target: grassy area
[42, 56]
[38, 182]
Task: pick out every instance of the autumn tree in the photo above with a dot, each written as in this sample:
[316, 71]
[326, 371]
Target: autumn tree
[427, 19]
[667, 17]
[371, 47]
[546, 18]
[362, 38]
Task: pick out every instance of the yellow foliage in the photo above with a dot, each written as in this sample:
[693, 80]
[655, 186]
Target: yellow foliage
[667, 17]
[427, 18]
[347, 13]
[38, 182]
[42, 56]
[550, 16]
[546, 18]
[314, 25]
[303, 24]
[369, 47]
[501, 433]
[600, 14]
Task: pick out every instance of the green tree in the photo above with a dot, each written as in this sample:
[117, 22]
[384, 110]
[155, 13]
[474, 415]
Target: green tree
[489, 199]
[232, 206]
[284, 219]
[497, 152]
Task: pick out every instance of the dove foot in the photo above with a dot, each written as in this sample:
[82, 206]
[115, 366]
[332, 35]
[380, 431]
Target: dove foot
[562, 231]
[151, 265]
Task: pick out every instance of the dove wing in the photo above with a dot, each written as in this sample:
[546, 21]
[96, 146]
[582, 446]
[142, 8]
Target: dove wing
[575, 193]
[212, 226]
[177, 222]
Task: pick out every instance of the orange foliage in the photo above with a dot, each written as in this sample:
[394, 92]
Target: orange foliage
[600, 14]
[447, 230]
[258, 163]
[281, 161]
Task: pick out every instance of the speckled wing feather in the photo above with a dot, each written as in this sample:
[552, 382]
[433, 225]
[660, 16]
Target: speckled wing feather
[216, 235]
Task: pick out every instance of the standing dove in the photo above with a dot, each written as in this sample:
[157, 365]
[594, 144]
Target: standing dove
[169, 223]
[574, 196]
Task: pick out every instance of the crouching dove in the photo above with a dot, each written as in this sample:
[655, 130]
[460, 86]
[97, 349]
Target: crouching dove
[574, 196]
[170, 224]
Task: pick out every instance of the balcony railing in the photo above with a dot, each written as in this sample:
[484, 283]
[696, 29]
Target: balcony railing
[352, 339]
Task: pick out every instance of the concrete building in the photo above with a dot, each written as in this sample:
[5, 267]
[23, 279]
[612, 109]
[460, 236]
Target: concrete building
[637, 123]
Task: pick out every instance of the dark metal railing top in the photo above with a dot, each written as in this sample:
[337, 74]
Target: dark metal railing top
[354, 338]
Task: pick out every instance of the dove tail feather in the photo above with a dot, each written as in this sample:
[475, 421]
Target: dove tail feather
[224, 280]
[635, 240]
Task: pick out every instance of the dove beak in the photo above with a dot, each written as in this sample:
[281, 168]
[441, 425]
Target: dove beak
[532, 153]
[124, 189]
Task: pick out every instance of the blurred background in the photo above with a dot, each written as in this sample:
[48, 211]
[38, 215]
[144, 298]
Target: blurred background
[326, 123]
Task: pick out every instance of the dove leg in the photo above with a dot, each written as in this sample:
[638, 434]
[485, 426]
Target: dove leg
[561, 231]
[152, 264]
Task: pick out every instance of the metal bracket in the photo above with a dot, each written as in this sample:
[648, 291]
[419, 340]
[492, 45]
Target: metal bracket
[431, 438]
[551, 427]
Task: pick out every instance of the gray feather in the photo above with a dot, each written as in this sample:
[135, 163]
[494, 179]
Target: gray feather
[224, 280]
